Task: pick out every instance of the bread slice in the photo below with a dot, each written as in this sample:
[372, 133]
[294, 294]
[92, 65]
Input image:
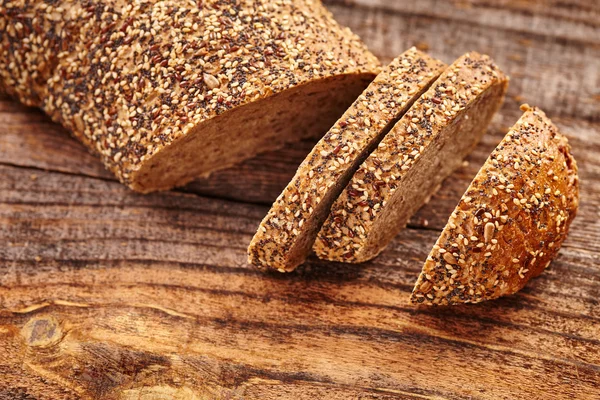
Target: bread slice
[511, 221]
[168, 90]
[286, 235]
[424, 147]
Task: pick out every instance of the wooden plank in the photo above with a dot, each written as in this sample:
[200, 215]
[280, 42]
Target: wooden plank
[105, 293]
[573, 20]
[162, 280]
[553, 60]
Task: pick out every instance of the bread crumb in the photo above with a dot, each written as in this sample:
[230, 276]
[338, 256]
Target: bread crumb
[423, 46]
[525, 42]
[515, 57]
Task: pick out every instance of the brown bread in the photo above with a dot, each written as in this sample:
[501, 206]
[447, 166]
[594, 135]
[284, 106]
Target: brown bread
[511, 221]
[167, 90]
[286, 235]
[424, 147]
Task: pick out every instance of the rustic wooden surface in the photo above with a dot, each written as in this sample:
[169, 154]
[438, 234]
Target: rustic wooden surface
[108, 294]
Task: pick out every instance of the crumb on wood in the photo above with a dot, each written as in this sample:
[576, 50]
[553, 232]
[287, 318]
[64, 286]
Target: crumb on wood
[368, 22]
[515, 57]
[525, 42]
[423, 46]
[463, 4]
[450, 41]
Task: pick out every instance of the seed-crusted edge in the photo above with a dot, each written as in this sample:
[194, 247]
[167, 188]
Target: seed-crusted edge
[289, 227]
[511, 221]
[30, 48]
[350, 232]
[131, 79]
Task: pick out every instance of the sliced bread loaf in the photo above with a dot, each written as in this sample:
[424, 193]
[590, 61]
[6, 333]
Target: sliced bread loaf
[424, 147]
[286, 235]
[167, 90]
[511, 221]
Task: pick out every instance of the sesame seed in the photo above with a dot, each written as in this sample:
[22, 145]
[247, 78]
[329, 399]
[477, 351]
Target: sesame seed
[211, 81]
[488, 232]
[449, 258]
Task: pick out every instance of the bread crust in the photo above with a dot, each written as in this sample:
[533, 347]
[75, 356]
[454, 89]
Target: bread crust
[34, 36]
[132, 79]
[285, 236]
[425, 146]
[511, 221]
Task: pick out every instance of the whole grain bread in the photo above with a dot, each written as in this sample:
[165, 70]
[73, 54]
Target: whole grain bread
[511, 221]
[424, 147]
[286, 235]
[168, 90]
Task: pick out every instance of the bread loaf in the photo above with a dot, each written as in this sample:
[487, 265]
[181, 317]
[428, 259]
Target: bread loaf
[286, 235]
[168, 90]
[424, 147]
[511, 221]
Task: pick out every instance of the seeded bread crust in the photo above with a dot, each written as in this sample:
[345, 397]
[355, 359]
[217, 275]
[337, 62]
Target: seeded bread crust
[511, 221]
[30, 48]
[168, 90]
[286, 235]
[424, 147]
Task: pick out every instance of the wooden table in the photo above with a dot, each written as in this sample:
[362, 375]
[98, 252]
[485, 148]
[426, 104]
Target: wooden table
[108, 294]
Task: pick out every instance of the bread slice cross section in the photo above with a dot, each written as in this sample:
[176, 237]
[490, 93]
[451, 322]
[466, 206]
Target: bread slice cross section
[424, 147]
[285, 236]
[511, 221]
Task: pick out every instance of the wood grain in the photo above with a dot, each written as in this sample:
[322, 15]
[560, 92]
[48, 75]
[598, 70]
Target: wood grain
[108, 294]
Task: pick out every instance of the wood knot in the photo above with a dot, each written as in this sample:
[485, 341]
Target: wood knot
[42, 331]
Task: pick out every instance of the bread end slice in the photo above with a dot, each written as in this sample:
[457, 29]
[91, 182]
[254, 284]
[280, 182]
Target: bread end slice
[511, 221]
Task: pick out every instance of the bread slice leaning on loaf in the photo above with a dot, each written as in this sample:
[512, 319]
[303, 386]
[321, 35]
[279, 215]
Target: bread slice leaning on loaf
[511, 221]
[286, 235]
[424, 147]
[168, 90]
